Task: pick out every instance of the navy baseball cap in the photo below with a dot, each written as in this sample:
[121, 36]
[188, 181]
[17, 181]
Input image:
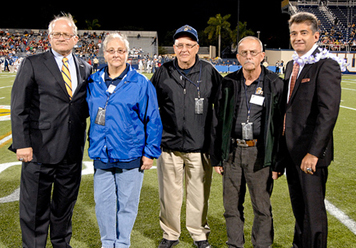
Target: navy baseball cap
[187, 30]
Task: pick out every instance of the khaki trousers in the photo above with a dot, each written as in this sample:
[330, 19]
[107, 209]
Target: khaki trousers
[172, 168]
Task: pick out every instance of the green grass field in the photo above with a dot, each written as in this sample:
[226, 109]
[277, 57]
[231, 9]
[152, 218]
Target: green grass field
[147, 233]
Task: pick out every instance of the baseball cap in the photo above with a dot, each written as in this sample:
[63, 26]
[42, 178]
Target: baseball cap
[186, 29]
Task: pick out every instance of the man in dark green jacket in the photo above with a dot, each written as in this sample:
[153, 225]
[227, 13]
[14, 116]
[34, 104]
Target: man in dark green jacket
[247, 123]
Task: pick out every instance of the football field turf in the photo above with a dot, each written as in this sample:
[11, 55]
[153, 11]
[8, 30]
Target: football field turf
[340, 196]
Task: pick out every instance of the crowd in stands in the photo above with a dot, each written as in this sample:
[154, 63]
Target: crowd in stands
[26, 43]
[335, 41]
[14, 46]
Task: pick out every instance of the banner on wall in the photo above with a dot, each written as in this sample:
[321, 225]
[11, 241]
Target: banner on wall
[350, 59]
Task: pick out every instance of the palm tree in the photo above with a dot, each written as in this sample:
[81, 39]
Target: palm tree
[216, 25]
[92, 25]
[243, 32]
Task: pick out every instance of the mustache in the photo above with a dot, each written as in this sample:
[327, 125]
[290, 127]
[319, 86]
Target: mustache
[249, 62]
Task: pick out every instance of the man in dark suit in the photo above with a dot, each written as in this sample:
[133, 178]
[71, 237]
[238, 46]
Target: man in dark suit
[48, 129]
[312, 108]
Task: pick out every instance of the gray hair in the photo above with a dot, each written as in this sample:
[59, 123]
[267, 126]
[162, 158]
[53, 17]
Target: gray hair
[251, 38]
[112, 36]
[309, 18]
[67, 17]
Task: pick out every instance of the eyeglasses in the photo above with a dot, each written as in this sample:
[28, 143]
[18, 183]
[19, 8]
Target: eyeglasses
[252, 53]
[64, 35]
[188, 46]
[113, 51]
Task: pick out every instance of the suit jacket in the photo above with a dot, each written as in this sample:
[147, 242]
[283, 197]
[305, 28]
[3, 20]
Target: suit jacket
[312, 111]
[42, 115]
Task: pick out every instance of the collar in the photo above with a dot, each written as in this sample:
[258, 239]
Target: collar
[302, 60]
[191, 69]
[315, 54]
[107, 77]
[60, 57]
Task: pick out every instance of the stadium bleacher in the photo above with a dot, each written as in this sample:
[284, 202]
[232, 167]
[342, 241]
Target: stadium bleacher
[337, 26]
[337, 21]
[17, 43]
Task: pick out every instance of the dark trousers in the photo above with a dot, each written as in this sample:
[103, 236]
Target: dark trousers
[307, 194]
[240, 171]
[47, 197]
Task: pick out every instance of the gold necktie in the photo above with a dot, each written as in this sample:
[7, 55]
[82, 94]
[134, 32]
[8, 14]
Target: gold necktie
[66, 77]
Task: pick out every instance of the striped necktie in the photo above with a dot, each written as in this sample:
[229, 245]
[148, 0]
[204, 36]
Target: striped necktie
[66, 77]
[293, 79]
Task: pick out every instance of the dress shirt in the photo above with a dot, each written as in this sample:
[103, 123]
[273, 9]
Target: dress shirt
[72, 68]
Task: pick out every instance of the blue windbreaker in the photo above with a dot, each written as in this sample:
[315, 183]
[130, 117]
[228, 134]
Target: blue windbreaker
[133, 126]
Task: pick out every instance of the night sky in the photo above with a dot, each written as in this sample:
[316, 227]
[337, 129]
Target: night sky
[162, 16]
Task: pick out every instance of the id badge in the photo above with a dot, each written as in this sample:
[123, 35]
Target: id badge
[247, 131]
[100, 117]
[257, 99]
[199, 106]
[111, 88]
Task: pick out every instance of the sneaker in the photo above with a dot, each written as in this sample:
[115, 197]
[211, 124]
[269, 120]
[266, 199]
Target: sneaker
[202, 244]
[165, 243]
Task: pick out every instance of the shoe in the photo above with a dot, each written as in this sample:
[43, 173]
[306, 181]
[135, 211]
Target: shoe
[165, 243]
[202, 244]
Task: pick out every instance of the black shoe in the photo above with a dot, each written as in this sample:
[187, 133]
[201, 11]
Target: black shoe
[165, 243]
[202, 244]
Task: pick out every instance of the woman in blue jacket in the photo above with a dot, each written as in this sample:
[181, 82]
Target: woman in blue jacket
[124, 138]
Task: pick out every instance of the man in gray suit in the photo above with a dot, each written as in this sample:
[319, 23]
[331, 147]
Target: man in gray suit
[48, 117]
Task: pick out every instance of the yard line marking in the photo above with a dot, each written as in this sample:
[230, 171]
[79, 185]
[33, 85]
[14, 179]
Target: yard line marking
[348, 89]
[5, 139]
[349, 81]
[5, 87]
[15, 196]
[341, 216]
[347, 107]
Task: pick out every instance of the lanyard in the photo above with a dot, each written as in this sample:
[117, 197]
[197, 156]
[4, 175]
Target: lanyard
[198, 82]
[247, 101]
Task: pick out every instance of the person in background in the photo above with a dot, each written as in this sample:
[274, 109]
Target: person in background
[124, 138]
[312, 107]
[186, 89]
[247, 125]
[96, 64]
[48, 118]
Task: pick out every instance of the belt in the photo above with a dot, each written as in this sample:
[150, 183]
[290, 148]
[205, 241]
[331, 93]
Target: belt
[246, 143]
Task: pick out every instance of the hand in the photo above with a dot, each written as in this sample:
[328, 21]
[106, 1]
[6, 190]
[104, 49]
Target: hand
[146, 163]
[24, 154]
[219, 169]
[276, 175]
[309, 161]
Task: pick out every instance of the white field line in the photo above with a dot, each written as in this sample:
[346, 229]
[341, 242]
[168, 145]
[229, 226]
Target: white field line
[347, 107]
[341, 216]
[3, 140]
[348, 89]
[5, 87]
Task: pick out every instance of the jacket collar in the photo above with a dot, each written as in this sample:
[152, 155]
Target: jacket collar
[194, 68]
[100, 75]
